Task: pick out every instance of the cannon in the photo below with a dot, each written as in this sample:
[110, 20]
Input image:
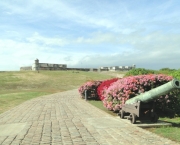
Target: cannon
[142, 107]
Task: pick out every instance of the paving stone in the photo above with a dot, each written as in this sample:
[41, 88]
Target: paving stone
[65, 119]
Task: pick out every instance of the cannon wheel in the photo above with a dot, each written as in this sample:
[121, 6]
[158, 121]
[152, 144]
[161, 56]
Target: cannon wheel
[121, 114]
[155, 118]
[133, 118]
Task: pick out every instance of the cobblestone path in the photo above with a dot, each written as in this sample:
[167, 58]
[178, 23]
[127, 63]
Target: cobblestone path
[65, 119]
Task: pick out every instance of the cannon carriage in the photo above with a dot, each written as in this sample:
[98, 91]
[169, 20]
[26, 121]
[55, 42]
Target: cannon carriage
[142, 107]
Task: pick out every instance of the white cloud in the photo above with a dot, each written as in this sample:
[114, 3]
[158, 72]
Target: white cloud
[138, 41]
[97, 38]
[36, 38]
[151, 49]
[154, 50]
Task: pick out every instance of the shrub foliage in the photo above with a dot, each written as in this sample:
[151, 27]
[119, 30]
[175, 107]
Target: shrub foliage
[139, 71]
[115, 92]
[175, 74]
[129, 87]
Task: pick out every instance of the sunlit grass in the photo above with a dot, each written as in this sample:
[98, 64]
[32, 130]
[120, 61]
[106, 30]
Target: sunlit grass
[19, 86]
[10, 100]
[173, 133]
[53, 80]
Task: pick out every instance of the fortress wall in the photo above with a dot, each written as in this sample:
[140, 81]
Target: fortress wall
[26, 68]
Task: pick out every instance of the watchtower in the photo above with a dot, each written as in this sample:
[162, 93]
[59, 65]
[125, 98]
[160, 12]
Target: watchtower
[35, 66]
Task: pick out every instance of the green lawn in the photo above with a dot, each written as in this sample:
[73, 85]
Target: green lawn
[19, 86]
[10, 100]
[99, 105]
[52, 81]
[172, 133]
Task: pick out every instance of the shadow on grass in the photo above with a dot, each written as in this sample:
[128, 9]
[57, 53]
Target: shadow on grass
[174, 124]
[169, 116]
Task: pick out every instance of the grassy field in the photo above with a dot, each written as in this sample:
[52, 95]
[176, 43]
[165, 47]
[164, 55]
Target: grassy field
[17, 87]
[10, 100]
[46, 81]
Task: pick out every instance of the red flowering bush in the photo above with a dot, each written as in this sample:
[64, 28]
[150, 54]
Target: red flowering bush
[91, 87]
[104, 86]
[128, 87]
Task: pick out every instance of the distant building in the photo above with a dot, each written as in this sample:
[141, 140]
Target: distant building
[44, 66]
[104, 69]
[114, 68]
[117, 68]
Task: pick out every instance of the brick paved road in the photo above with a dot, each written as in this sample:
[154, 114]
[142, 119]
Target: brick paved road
[65, 119]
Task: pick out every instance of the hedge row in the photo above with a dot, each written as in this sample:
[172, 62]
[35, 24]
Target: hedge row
[115, 92]
[129, 87]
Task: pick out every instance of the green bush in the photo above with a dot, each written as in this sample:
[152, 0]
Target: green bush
[139, 71]
[166, 71]
[176, 74]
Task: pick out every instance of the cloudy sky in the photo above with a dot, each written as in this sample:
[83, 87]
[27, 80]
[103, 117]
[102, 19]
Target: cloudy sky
[90, 33]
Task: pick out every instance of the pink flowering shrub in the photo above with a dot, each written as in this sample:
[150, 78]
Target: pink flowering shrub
[91, 87]
[129, 87]
[104, 86]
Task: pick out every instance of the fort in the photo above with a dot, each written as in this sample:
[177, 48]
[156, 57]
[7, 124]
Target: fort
[36, 66]
[44, 66]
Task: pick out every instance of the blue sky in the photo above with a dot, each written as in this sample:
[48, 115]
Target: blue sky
[90, 33]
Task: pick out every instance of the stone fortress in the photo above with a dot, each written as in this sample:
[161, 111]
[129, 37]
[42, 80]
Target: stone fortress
[44, 66]
[36, 66]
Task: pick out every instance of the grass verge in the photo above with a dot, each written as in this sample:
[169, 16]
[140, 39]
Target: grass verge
[171, 132]
[8, 101]
[99, 105]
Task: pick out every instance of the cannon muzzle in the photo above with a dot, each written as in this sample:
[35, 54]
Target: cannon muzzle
[155, 93]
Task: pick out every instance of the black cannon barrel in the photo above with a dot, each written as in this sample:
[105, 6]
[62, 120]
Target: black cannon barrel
[156, 92]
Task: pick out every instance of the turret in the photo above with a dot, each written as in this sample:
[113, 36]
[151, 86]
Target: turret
[35, 66]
